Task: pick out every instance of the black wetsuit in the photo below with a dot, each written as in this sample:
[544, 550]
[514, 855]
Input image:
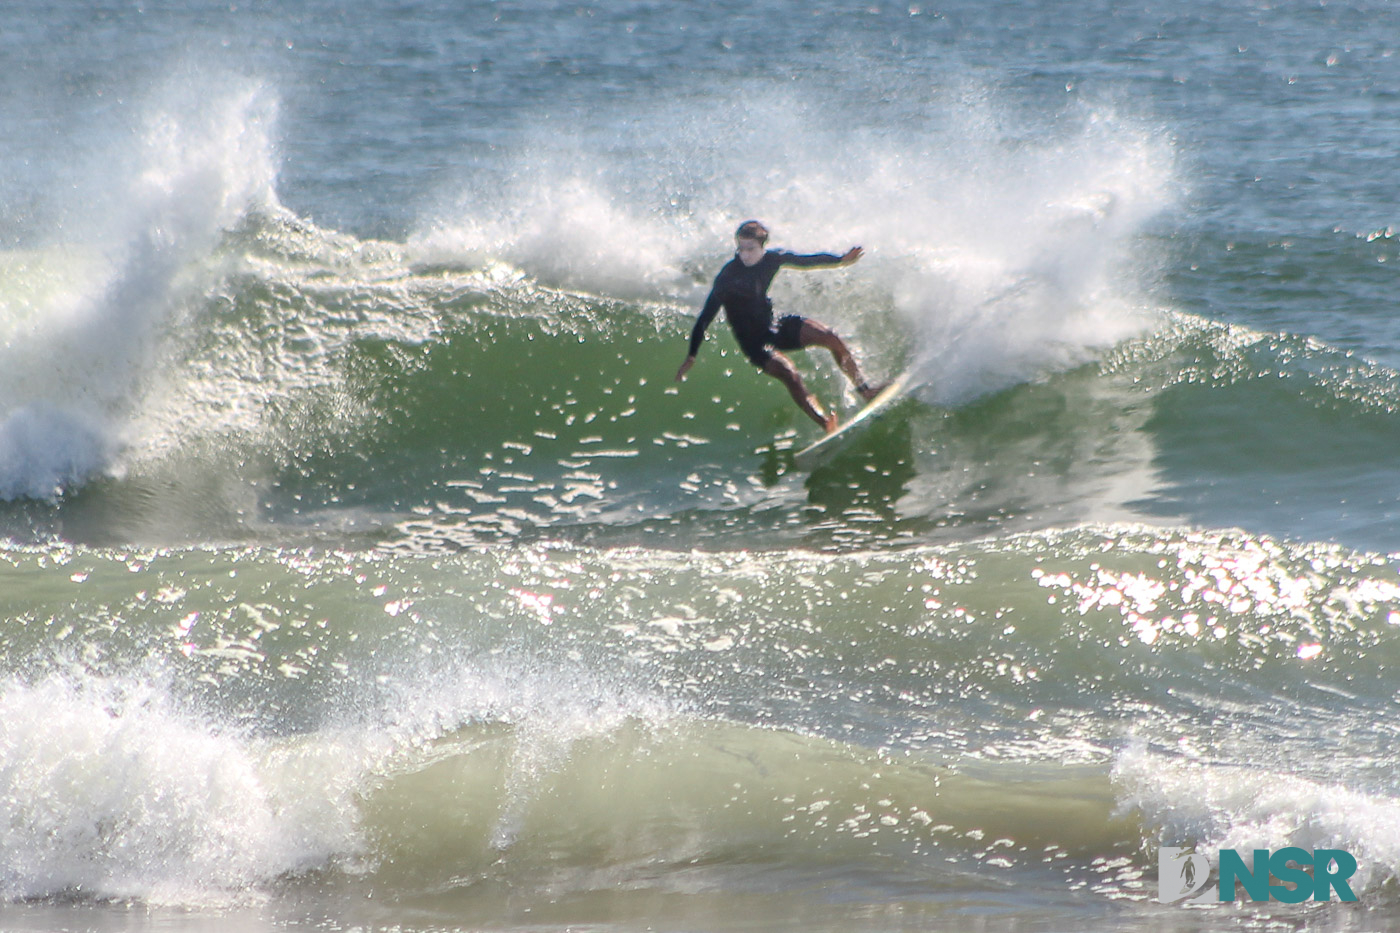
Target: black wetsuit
[743, 293]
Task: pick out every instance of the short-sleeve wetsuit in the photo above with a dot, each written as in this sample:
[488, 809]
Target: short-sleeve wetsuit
[743, 293]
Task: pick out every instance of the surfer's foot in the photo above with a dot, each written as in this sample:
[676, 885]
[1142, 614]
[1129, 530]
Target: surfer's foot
[830, 423]
[868, 391]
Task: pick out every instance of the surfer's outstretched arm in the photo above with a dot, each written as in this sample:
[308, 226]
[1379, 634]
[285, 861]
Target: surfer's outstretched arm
[821, 260]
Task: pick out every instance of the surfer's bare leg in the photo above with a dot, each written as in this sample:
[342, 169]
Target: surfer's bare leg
[781, 368]
[817, 334]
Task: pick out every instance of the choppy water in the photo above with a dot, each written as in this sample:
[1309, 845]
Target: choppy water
[364, 567]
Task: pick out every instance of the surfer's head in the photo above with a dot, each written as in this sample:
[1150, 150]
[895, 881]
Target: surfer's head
[751, 238]
[752, 230]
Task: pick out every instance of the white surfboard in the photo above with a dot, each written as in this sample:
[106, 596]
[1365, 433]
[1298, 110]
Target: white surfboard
[889, 396]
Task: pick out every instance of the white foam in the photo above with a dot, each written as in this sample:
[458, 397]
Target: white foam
[79, 357]
[113, 787]
[566, 231]
[111, 791]
[1244, 808]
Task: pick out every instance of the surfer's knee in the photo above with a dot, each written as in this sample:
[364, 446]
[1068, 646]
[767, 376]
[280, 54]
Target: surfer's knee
[815, 333]
[781, 368]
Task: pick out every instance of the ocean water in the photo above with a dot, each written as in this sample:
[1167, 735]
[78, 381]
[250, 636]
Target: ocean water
[362, 566]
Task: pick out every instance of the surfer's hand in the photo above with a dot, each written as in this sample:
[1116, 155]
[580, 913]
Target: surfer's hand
[853, 255]
[685, 368]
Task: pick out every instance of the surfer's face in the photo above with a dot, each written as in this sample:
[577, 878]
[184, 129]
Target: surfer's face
[750, 251]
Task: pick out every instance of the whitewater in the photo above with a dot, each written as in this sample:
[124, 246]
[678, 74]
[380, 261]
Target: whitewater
[363, 566]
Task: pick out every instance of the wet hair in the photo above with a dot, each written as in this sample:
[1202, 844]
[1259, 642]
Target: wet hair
[752, 230]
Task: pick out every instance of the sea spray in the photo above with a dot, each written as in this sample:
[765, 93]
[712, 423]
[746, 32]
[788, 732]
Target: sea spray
[82, 358]
[111, 789]
[1006, 249]
[1023, 257]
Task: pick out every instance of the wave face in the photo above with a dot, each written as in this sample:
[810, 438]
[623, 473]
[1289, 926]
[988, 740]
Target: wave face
[325, 386]
[362, 564]
[513, 372]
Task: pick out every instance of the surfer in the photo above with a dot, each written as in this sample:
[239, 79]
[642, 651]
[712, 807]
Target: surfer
[741, 288]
